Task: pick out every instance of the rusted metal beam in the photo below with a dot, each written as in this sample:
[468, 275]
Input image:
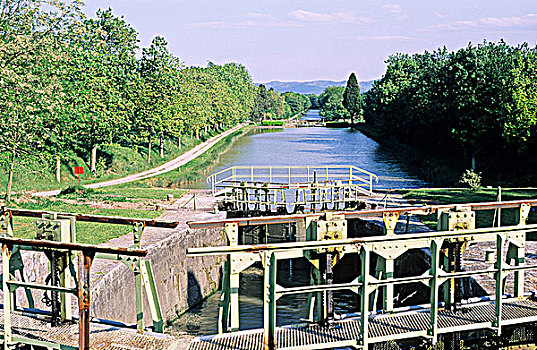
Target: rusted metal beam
[418, 210]
[34, 243]
[94, 218]
[84, 298]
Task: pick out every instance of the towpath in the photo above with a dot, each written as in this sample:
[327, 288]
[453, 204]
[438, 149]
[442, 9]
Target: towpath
[164, 168]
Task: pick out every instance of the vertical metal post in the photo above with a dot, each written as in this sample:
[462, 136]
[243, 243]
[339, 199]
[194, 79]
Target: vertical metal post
[223, 310]
[84, 301]
[388, 289]
[433, 284]
[289, 173]
[152, 295]
[138, 229]
[269, 301]
[8, 335]
[232, 233]
[499, 276]
[499, 210]
[364, 296]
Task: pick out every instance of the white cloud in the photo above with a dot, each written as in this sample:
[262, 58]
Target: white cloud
[308, 16]
[384, 38]
[439, 14]
[298, 18]
[395, 9]
[515, 22]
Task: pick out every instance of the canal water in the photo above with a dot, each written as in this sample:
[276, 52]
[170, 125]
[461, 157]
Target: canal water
[295, 146]
[317, 147]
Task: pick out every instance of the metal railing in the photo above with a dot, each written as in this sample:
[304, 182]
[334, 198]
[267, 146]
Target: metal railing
[62, 255]
[367, 285]
[302, 187]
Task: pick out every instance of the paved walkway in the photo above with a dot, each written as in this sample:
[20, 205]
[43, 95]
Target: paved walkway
[164, 168]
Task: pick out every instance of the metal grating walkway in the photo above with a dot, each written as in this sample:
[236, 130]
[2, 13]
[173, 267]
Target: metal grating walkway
[381, 328]
[30, 329]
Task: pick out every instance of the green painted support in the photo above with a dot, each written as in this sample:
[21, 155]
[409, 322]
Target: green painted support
[364, 296]
[499, 276]
[223, 309]
[152, 296]
[269, 301]
[434, 284]
[138, 229]
[7, 296]
[232, 233]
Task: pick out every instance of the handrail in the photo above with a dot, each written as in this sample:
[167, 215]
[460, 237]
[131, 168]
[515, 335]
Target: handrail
[118, 220]
[357, 242]
[414, 210]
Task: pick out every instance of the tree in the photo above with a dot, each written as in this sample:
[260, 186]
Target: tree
[331, 103]
[352, 100]
[29, 87]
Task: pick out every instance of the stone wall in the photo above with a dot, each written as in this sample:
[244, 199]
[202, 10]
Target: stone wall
[181, 281]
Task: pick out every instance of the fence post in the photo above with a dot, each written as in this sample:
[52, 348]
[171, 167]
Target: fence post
[364, 296]
[269, 301]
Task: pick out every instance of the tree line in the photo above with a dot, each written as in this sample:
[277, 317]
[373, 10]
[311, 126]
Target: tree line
[477, 104]
[271, 105]
[71, 84]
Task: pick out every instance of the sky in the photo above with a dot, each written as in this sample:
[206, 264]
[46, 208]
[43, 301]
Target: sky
[290, 40]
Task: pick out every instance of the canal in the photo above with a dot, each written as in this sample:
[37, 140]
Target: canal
[294, 146]
[317, 147]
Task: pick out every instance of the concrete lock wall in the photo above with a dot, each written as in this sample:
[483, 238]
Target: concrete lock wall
[181, 281]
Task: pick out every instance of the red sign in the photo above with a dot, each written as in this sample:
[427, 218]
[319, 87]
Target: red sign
[79, 170]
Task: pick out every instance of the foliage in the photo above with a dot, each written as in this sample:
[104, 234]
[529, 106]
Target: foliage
[471, 178]
[73, 88]
[352, 100]
[273, 122]
[477, 104]
[331, 103]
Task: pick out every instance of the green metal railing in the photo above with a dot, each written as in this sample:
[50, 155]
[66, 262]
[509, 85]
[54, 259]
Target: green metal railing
[368, 286]
[61, 252]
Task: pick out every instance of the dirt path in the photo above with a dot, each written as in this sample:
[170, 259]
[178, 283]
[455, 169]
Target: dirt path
[164, 168]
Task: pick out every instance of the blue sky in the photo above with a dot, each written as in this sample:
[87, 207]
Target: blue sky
[309, 40]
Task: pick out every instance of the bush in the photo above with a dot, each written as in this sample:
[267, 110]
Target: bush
[471, 179]
[273, 122]
[78, 190]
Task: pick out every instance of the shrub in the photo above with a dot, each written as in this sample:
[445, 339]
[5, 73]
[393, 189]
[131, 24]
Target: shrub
[471, 179]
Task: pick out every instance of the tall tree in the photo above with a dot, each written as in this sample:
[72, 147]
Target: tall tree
[352, 99]
[29, 88]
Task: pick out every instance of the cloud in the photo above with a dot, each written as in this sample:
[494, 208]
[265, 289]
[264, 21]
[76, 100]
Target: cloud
[308, 16]
[439, 15]
[395, 9]
[297, 18]
[514, 22]
[383, 38]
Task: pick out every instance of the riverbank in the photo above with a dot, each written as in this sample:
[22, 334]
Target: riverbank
[433, 169]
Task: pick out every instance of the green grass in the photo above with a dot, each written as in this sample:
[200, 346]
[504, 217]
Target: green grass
[196, 169]
[125, 193]
[96, 233]
[272, 122]
[114, 161]
[484, 218]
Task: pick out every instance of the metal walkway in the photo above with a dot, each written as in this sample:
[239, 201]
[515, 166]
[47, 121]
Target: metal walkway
[382, 328]
[32, 329]
[291, 188]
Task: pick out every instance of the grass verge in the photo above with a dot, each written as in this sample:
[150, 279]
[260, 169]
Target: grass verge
[484, 218]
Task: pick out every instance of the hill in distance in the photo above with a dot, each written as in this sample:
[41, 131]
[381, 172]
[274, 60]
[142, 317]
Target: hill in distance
[311, 87]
